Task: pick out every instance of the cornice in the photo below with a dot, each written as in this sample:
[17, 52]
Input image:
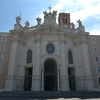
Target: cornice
[16, 32]
[82, 34]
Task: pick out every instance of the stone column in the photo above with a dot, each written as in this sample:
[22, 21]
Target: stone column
[58, 81]
[42, 84]
[64, 71]
[87, 74]
[36, 85]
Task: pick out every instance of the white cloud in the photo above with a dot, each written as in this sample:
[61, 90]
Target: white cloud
[78, 8]
[95, 30]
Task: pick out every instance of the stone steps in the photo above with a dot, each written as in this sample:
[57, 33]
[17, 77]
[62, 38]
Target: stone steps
[53, 94]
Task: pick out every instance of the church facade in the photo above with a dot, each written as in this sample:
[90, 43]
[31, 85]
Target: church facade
[49, 56]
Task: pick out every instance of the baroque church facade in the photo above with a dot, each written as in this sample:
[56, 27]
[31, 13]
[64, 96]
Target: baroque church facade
[49, 56]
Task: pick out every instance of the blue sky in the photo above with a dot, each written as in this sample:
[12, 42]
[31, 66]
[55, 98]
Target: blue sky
[88, 11]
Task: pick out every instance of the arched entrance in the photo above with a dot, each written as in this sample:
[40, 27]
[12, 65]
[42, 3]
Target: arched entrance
[50, 75]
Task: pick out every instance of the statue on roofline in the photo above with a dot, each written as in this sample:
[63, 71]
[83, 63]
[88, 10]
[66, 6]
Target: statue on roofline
[81, 28]
[72, 26]
[27, 24]
[80, 23]
[54, 13]
[45, 13]
[38, 21]
[18, 18]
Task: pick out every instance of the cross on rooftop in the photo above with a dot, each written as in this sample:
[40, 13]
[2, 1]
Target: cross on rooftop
[50, 8]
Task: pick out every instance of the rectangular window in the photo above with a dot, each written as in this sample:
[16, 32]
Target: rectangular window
[95, 49]
[3, 38]
[0, 69]
[1, 58]
[65, 21]
[2, 47]
[97, 59]
[98, 69]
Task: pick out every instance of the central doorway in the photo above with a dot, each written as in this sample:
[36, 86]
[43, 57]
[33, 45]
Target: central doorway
[50, 75]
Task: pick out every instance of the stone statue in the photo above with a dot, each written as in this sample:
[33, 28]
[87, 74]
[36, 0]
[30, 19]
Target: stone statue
[80, 23]
[38, 21]
[27, 24]
[50, 18]
[18, 20]
[54, 13]
[72, 26]
[45, 14]
[81, 28]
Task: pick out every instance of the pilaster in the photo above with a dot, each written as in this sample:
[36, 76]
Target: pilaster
[87, 75]
[64, 71]
[78, 68]
[36, 80]
[14, 65]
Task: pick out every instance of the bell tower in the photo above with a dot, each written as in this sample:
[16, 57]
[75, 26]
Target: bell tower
[64, 19]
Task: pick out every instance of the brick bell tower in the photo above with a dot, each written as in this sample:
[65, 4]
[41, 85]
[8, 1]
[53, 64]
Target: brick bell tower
[64, 19]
